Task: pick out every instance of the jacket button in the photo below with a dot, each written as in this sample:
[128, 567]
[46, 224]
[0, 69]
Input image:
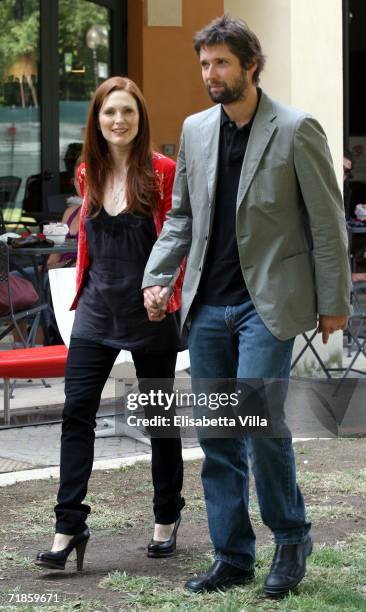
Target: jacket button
[206, 237]
[200, 269]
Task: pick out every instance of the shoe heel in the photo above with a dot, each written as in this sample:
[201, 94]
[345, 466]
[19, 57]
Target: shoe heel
[80, 552]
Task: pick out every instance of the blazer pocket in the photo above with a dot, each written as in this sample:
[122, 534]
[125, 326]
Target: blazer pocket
[269, 186]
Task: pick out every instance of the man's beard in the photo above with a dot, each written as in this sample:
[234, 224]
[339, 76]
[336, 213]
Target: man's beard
[228, 95]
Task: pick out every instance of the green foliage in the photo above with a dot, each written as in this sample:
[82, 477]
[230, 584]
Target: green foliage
[74, 20]
[20, 33]
[334, 582]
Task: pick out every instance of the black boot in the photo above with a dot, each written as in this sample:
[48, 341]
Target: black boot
[288, 567]
[219, 576]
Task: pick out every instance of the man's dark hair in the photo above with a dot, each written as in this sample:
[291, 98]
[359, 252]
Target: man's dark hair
[236, 34]
[72, 155]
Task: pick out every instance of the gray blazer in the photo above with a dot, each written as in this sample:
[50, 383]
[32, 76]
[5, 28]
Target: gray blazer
[290, 224]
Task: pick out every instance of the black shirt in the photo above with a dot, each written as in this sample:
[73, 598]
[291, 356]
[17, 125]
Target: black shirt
[222, 282]
[111, 306]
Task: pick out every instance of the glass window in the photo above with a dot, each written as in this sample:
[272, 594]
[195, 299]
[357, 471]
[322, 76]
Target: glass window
[84, 62]
[19, 96]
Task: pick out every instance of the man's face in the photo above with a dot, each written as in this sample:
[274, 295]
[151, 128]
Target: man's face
[226, 81]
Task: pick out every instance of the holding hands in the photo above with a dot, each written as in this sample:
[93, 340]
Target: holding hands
[156, 301]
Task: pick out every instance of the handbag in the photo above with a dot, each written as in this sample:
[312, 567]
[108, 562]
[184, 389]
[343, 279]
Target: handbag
[22, 294]
[30, 240]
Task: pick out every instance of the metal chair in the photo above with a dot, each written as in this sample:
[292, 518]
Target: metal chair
[357, 325]
[356, 332]
[9, 187]
[10, 321]
[309, 345]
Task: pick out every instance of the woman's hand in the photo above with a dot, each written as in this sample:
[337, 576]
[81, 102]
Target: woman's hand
[156, 301]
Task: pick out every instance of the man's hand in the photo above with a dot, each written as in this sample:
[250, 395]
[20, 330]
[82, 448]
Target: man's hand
[156, 301]
[329, 324]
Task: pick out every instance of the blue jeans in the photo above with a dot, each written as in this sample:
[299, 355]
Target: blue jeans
[233, 342]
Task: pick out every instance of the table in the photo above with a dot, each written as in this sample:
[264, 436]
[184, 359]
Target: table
[39, 256]
[69, 246]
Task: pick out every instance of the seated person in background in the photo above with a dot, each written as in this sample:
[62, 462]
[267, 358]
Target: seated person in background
[71, 161]
[71, 217]
[32, 201]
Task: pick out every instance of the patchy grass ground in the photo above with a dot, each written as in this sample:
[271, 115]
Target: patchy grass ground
[118, 576]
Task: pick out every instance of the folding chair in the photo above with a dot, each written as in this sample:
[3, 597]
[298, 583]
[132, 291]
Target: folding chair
[309, 345]
[357, 326]
[10, 321]
[356, 331]
[9, 187]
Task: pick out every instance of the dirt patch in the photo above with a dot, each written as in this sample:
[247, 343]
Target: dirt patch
[124, 496]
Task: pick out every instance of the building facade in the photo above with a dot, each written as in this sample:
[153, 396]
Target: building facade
[53, 54]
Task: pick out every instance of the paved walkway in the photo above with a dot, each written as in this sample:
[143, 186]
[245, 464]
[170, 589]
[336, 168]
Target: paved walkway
[39, 446]
[32, 451]
[36, 447]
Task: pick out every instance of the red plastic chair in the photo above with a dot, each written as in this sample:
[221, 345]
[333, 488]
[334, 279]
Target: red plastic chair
[36, 362]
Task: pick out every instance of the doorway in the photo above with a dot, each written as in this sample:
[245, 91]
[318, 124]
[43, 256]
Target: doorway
[355, 86]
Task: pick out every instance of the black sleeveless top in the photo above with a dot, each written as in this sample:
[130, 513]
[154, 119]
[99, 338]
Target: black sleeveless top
[111, 310]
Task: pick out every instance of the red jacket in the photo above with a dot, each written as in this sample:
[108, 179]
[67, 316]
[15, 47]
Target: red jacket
[164, 169]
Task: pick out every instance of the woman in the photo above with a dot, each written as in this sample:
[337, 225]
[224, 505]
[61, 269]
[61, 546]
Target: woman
[126, 191]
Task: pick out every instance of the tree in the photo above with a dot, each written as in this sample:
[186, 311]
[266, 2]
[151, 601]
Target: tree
[19, 38]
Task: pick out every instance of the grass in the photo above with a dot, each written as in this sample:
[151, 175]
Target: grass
[103, 516]
[348, 481]
[334, 583]
[10, 558]
[335, 580]
[79, 606]
[114, 520]
[316, 511]
[331, 513]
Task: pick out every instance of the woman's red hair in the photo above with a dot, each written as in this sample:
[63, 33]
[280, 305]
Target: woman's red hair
[141, 184]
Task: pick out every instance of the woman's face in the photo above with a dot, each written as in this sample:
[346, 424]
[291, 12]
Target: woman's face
[119, 119]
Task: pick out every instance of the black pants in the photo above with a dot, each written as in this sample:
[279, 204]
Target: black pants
[87, 370]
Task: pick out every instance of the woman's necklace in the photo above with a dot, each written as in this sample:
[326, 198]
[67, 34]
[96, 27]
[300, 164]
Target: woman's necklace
[118, 193]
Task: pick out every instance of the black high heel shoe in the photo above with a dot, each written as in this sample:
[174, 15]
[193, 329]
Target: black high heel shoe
[167, 548]
[57, 560]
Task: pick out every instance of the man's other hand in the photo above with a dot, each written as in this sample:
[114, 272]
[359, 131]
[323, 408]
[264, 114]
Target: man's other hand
[329, 324]
[156, 301]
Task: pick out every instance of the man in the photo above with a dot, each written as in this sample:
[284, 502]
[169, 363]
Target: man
[257, 211]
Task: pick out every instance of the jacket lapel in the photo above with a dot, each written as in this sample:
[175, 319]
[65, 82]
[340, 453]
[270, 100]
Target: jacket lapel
[210, 137]
[261, 133]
